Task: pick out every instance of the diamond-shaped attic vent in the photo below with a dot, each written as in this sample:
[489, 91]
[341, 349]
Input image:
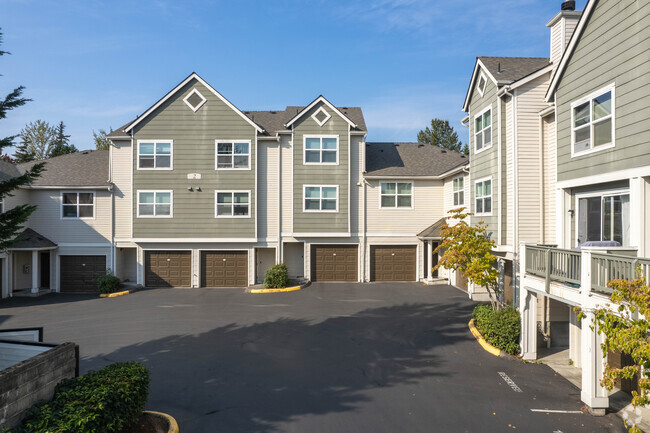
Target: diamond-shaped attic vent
[194, 100]
[321, 116]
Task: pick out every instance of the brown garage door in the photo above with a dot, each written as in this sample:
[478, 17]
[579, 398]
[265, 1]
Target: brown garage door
[224, 269]
[80, 273]
[168, 269]
[393, 263]
[334, 263]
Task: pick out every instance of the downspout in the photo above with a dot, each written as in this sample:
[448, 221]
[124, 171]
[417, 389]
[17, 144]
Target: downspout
[542, 190]
[279, 253]
[112, 190]
[515, 260]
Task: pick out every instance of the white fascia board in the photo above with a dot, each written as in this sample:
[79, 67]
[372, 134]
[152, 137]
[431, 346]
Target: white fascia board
[121, 137]
[412, 178]
[473, 81]
[191, 240]
[569, 50]
[193, 75]
[320, 235]
[531, 77]
[70, 187]
[322, 99]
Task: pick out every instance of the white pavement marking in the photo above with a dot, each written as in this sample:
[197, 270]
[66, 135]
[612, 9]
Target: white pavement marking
[556, 411]
[510, 382]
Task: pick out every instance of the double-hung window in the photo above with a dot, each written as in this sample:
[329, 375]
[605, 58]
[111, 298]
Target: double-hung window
[483, 130]
[155, 154]
[232, 204]
[396, 195]
[483, 197]
[321, 198]
[321, 149]
[592, 122]
[233, 155]
[459, 191]
[78, 205]
[155, 204]
[604, 217]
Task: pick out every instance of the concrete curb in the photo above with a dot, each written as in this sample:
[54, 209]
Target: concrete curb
[173, 425]
[487, 346]
[286, 289]
[116, 294]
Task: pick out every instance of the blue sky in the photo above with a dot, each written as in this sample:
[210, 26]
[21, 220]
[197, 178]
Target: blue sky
[96, 64]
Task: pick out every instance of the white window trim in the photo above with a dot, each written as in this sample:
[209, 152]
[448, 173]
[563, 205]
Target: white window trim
[216, 154]
[609, 88]
[304, 149]
[481, 91]
[484, 148]
[77, 217]
[194, 91]
[484, 179]
[154, 141]
[396, 195]
[328, 116]
[2, 206]
[453, 191]
[304, 198]
[171, 203]
[610, 192]
[229, 191]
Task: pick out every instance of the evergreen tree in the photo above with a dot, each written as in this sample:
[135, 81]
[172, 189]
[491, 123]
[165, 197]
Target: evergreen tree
[442, 134]
[101, 142]
[37, 140]
[12, 220]
[61, 144]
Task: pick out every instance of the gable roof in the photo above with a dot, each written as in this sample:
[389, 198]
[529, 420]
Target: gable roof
[29, 239]
[577, 33]
[86, 168]
[8, 171]
[504, 70]
[433, 231]
[411, 159]
[192, 76]
[322, 99]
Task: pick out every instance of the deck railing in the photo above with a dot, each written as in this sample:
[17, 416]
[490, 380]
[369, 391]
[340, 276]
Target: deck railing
[553, 264]
[608, 267]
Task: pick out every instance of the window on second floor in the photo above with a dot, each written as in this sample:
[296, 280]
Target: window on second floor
[232, 204]
[483, 197]
[155, 204]
[459, 191]
[396, 195]
[321, 198]
[155, 154]
[321, 149]
[592, 122]
[78, 205]
[604, 217]
[233, 155]
[483, 130]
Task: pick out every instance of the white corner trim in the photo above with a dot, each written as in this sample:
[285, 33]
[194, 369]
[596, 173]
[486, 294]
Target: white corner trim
[194, 91]
[327, 116]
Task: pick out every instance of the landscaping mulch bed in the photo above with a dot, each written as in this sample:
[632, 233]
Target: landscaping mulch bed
[148, 423]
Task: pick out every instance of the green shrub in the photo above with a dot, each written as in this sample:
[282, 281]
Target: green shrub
[108, 283]
[277, 277]
[103, 401]
[500, 328]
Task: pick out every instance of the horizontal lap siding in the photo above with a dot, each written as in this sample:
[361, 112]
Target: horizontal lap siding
[509, 185]
[286, 185]
[614, 48]
[194, 136]
[318, 222]
[121, 166]
[550, 176]
[268, 183]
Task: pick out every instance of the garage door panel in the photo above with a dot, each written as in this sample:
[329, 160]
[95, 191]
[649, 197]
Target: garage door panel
[224, 268]
[393, 262]
[80, 273]
[334, 262]
[168, 268]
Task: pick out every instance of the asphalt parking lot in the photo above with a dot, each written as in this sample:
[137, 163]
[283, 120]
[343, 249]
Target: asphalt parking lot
[330, 358]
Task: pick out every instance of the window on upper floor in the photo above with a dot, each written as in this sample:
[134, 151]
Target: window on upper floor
[155, 154]
[592, 122]
[459, 191]
[233, 204]
[155, 204]
[321, 198]
[233, 155]
[77, 205]
[483, 197]
[482, 82]
[321, 149]
[396, 195]
[483, 130]
[604, 217]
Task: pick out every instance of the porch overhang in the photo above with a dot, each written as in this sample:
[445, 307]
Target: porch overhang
[30, 240]
[432, 233]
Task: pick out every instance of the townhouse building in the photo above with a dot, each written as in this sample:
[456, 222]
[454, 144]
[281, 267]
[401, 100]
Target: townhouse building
[197, 193]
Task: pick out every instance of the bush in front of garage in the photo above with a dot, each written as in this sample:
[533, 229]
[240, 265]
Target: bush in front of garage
[108, 283]
[277, 277]
[104, 401]
[500, 328]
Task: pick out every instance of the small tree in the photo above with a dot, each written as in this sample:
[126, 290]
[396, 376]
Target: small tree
[101, 142]
[61, 144]
[37, 139]
[468, 249]
[442, 134]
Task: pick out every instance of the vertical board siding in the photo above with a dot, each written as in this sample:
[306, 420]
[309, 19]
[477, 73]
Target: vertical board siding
[121, 166]
[319, 222]
[194, 135]
[268, 184]
[550, 177]
[485, 163]
[614, 48]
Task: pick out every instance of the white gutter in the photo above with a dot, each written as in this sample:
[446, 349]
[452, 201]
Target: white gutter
[103, 187]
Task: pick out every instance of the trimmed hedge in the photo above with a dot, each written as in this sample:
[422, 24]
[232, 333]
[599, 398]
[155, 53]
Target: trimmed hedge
[500, 328]
[103, 401]
[277, 277]
[108, 283]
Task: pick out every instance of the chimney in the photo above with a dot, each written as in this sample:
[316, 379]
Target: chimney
[562, 26]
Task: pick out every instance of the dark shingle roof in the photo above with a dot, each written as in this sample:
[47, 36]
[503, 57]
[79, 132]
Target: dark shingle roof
[411, 159]
[433, 231]
[513, 68]
[85, 168]
[8, 171]
[30, 239]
